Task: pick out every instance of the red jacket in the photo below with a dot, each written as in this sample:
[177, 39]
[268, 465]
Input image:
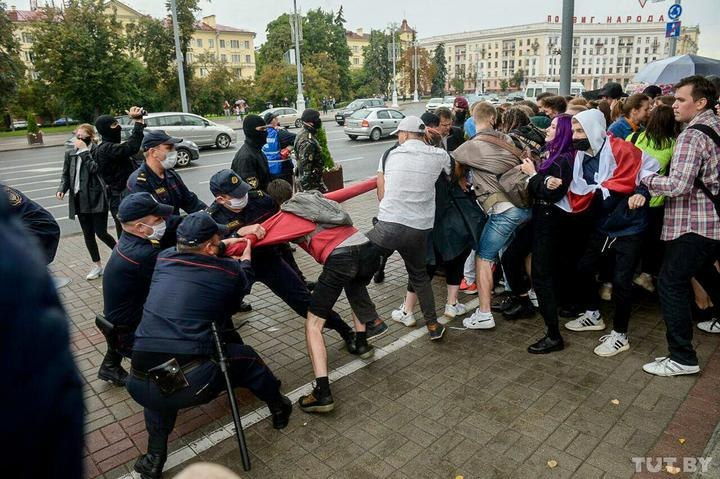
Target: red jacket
[283, 227]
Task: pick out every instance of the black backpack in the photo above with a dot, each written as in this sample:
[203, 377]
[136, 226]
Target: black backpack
[709, 131]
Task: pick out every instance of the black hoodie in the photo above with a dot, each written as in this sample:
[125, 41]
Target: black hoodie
[113, 157]
[250, 162]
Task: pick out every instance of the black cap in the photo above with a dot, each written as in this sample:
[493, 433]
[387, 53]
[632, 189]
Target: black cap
[227, 182]
[430, 119]
[153, 138]
[140, 205]
[612, 90]
[268, 117]
[310, 116]
[197, 228]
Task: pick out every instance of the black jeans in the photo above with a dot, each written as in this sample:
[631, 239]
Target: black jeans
[411, 243]
[114, 200]
[513, 259]
[688, 256]
[545, 263]
[627, 253]
[95, 224]
[652, 252]
[348, 268]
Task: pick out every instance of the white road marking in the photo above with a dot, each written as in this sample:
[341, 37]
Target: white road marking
[20, 167]
[227, 431]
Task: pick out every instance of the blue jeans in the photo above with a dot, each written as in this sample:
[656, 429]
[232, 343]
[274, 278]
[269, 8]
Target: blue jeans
[499, 230]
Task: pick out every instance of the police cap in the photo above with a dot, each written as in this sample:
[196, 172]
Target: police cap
[197, 228]
[227, 182]
[153, 138]
[140, 205]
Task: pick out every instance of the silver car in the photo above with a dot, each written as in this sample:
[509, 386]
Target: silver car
[288, 117]
[374, 123]
[192, 127]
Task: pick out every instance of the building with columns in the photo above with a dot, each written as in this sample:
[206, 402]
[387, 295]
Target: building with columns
[604, 49]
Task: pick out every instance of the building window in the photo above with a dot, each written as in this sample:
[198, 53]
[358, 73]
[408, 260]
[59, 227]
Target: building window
[236, 58]
[223, 58]
[27, 37]
[356, 61]
[246, 44]
[211, 43]
[222, 43]
[234, 43]
[638, 51]
[199, 42]
[612, 50]
[203, 71]
[355, 49]
[247, 59]
[189, 58]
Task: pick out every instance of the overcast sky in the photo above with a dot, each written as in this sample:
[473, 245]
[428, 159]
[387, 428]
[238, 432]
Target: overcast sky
[433, 17]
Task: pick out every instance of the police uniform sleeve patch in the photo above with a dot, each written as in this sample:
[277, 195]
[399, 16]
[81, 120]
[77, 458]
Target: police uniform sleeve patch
[252, 181]
[14, 197]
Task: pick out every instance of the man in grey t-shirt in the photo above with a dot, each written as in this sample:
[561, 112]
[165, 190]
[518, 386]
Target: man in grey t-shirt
[406, 190]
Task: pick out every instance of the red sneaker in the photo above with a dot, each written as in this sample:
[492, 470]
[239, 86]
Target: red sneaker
[471, 289]
[463, 285]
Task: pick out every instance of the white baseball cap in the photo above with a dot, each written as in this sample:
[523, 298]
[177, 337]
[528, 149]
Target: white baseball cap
[410, 123]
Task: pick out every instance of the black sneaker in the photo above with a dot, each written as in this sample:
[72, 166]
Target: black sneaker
[376, 329]
[379, 276]
[570, 311]
[281, 412]
[521, 308]
[502, 303]
[245, 307]
[546, 345]
[364, 350]
[435, 331]
[315, 402]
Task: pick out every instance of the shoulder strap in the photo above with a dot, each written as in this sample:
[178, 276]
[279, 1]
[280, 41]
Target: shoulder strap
[635, 136]
[515, 151]
[709, 131]
[387, 152]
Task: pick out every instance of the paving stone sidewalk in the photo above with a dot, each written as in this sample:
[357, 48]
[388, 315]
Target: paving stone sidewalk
[475, 405]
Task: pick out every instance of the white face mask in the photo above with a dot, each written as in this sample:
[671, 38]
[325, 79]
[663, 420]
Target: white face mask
[170, 160]
[239, 203]
[158, 231]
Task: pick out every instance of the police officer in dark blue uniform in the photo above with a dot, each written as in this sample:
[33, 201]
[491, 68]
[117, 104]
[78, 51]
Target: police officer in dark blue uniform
[41, 406]
[37, 221]
[126, 281]
[157, 177]
[241, 209]
[172, 366]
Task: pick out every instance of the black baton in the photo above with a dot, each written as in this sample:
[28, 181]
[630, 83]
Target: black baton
[222, 360]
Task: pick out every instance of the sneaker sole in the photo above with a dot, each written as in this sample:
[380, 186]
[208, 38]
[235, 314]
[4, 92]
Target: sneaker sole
[715, 331]
[378, 335]
[607, 355]
[325, 408]
[597, 327]
[468, 292]
[368, 354]
[479, 327]
[436, 338]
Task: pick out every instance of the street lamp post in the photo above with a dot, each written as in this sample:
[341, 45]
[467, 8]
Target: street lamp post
[566, 46]
[394, 75]
[300, 102]
[179, 57]
[415, 63]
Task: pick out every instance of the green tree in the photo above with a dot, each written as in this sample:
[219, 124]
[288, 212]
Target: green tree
[458, 84]
[324, 150]
[80, 54]
[277, 43]
[504, 85]
[517, 78]
[340, 52]
[187, 10]
[426, 71]
[377, 65]
[11, 67]
[438, 83]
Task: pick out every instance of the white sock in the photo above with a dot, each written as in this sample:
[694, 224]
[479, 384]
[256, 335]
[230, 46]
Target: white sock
[593, 314]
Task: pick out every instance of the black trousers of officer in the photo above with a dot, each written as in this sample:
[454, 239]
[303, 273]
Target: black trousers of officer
[275, 273]
[206, 382]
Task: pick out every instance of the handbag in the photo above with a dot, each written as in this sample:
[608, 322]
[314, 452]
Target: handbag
[513, 182]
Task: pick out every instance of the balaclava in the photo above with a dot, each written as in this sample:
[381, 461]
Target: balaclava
[252, 136]
[112, 135]
[313, 117]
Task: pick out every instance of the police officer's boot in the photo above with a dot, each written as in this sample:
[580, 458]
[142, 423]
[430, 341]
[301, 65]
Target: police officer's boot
[150, 465]
[280, 411]
[111, 368]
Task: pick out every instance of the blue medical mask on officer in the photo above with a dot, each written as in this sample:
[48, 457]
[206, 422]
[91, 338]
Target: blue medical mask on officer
[158, 230]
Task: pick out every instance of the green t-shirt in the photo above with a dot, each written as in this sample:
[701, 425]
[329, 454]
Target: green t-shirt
[663, 156]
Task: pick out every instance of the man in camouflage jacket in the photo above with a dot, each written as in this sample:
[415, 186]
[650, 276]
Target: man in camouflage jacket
[308, 153]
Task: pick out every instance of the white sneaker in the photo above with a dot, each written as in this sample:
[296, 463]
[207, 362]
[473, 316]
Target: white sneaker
[606, 291]
[668, 367]
[399, 315]
[644, 280]
[95, 273]
[712, 326]
[451, 311]
[533, 298]
[588, 321]
[611, 344]
[479, 320]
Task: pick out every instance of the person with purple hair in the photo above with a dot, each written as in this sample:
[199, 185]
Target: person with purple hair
[548, 184]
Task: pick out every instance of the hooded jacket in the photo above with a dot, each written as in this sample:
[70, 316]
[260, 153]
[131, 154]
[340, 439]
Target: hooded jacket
[250, 162]
[620, 167]
[113, 157]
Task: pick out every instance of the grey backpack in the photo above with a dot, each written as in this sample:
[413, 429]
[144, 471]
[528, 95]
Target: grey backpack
[313, 206]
